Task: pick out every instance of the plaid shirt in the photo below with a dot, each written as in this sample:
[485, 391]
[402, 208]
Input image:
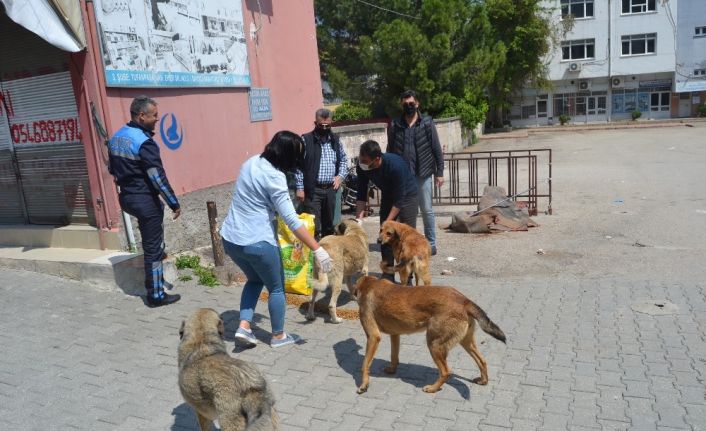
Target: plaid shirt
[327, 165]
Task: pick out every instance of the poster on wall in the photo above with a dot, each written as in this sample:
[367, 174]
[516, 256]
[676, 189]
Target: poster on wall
[173, 43]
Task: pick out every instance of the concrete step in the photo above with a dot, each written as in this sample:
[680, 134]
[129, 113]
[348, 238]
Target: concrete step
[103, 269]
[71, 236]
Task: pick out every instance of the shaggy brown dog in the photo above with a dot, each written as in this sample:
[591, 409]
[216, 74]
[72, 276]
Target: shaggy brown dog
[218, 386]
[448, 317]
[411, 250]
[349, 251]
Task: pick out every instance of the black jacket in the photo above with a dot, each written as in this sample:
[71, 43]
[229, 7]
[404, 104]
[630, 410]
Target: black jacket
[423, 152]
[312, 159]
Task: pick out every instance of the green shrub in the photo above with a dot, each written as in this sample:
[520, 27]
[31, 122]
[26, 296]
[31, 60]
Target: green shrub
[635, 115]
[702, 110]
[206, 276]
[349, 111]
[187, 261]
[563, 119]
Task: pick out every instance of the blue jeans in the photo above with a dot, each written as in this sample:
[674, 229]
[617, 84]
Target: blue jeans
[262, 265]
[424, 190]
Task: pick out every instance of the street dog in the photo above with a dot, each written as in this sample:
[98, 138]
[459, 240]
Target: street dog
[349, 251]
[447, 316]
[411, 250]
[218, 386]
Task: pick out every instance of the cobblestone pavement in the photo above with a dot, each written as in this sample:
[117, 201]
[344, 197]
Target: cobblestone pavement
[577, 358]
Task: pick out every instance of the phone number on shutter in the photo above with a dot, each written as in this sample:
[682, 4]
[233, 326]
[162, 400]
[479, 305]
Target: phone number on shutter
[40, 132]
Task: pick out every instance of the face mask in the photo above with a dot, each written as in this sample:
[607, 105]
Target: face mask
[363, 166]
[322, 129]
[409, 109]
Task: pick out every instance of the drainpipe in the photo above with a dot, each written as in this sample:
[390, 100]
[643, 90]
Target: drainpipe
[609, 102]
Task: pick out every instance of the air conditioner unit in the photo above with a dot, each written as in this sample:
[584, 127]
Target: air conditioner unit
[584, 85]
[574, 67]
[617, 82]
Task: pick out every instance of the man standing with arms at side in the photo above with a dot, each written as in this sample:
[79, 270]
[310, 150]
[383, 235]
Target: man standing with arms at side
[137, 167]
[414, 137]
[398, 190]
[325, 168]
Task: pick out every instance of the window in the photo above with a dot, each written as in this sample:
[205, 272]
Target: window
[699, 72]
[577, 8]
[639, 6]
[639, 44]
[659, 101]
[578, 49]
[700, 31]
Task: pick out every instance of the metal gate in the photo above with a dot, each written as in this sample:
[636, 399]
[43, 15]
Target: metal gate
[43, 172]
[44, 154]
[527, 174]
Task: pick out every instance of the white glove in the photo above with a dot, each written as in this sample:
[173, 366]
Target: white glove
[323, 258]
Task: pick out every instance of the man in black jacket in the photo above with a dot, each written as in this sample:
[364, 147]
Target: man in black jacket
[325, 168]
[414, 137]
[398, 191]
[135, 163]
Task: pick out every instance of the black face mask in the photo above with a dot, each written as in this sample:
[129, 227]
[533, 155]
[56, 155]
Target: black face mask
[409, 108]
[323, 131]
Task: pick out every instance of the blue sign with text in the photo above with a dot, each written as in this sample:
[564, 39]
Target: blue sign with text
[260, 106]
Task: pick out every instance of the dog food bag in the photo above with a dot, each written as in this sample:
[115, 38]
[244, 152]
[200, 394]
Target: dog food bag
[297, 258]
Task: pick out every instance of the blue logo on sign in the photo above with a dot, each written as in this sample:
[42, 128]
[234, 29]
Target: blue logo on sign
[174, 135]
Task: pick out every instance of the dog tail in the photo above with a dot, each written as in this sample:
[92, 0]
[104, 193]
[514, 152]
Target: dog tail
[487, 325]
[319, 281]
[266, 421]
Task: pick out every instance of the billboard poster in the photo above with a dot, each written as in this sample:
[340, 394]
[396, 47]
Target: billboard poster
[173, 43]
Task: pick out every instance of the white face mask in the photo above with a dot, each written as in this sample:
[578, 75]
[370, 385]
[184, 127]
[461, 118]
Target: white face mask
[363, 166]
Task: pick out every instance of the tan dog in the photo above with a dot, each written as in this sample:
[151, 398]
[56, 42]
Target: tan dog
[218, 386]
[349, 251]
[411, 250]
[448, 317]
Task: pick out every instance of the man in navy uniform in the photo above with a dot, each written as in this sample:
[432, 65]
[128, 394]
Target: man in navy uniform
[135, 163]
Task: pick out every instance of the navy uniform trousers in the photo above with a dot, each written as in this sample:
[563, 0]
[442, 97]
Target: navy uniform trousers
[149, 211]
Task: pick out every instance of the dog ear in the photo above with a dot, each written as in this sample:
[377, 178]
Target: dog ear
[181, 330]
[221, 328]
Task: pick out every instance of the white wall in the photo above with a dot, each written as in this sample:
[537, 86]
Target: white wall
[691, 51]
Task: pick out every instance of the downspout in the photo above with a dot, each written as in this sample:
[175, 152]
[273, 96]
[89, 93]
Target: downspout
[102, 96]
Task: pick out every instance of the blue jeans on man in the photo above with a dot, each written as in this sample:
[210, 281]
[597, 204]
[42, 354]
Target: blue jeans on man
[424, 192]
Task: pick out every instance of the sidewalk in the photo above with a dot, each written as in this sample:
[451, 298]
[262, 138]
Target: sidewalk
[577, 358]
[580, 127]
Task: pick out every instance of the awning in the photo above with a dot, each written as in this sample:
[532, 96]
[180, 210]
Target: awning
[58, 22]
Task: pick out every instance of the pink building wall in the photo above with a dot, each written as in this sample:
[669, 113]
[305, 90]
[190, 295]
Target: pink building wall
[218, 134]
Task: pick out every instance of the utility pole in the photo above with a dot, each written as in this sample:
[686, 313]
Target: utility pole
[609, 101]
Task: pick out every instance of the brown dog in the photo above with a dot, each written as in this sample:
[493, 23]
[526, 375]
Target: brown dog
[411, 250]
[349, 251]
[218, 386]
[448, 317]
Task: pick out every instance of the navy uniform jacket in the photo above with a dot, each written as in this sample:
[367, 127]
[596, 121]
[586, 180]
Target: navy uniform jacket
[135, 163]
[394, 179]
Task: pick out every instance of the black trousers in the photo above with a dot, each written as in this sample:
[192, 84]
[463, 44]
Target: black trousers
[149, 211]
[407, 215]
[322, 203]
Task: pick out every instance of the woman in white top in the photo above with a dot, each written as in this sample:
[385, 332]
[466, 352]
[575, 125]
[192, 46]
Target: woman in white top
[249, 232]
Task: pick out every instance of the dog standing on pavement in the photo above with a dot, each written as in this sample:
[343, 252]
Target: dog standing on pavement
[349, 251]
[447, 316]
[218, 386]
[411, 250]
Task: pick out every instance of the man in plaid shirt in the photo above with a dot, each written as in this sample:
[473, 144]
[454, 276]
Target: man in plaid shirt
[325, 167]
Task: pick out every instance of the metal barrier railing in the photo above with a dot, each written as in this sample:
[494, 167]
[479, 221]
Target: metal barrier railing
[526, 175]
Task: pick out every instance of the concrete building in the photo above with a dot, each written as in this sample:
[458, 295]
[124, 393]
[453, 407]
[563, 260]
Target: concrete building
[251, 69]
[620, 56]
